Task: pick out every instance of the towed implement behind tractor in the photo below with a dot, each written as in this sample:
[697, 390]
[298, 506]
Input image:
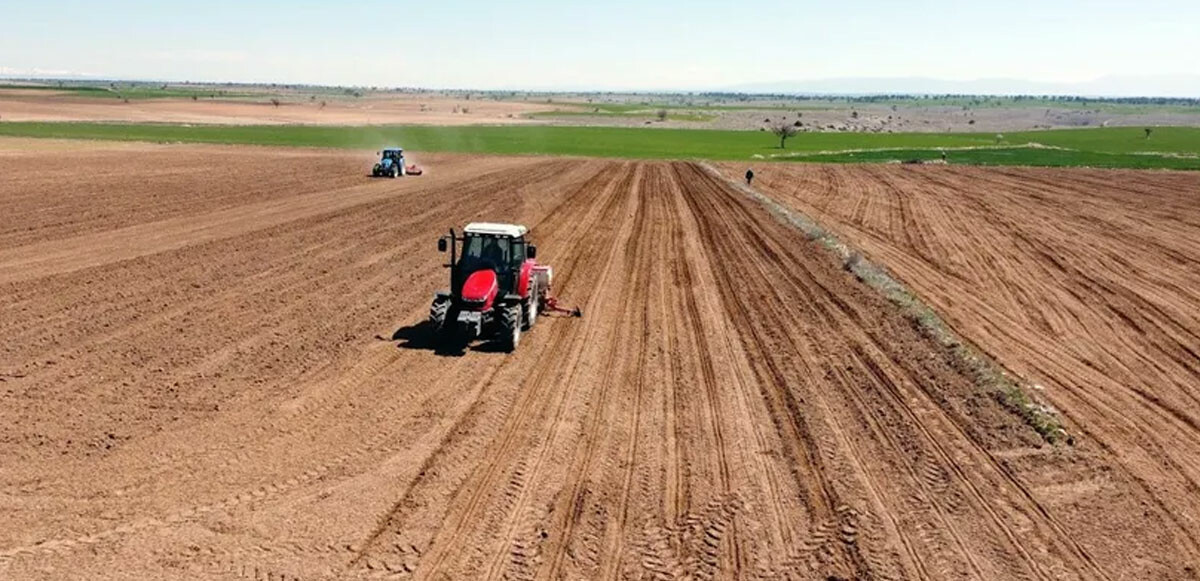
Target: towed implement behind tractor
[497, 288]
[391, 164]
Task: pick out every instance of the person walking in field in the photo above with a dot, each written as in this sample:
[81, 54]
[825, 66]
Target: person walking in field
[749, 176]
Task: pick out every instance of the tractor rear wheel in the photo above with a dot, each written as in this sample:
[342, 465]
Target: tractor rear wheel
[531, 309]
[510, 327]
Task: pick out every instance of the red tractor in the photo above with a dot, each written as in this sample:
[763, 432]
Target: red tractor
[497, 288]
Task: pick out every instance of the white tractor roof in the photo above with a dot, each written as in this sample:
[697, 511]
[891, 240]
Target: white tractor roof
[510, 230]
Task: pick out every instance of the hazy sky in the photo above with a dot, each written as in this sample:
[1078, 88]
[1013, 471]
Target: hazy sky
[615, 44]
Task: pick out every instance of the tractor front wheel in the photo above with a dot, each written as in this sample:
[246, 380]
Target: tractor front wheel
[439, 311]
[510, 328]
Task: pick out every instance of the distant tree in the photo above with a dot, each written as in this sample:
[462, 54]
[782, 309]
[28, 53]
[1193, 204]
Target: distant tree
[1148, 131]
[275, 101]
[999, 138]
[783, 130]
[195, 97]
[661, 114]
[322, 104]
[854, 114]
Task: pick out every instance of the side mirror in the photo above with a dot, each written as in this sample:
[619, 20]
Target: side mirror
[531, 251]
[441, 244]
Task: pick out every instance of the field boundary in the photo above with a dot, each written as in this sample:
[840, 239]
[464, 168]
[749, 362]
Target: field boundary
[986, 372]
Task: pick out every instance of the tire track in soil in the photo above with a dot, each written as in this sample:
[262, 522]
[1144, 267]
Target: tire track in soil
[257, 493]
[281, 422]
[516, 441]
[400, 567]
[89, 250]
[626, 291]
[1070, 552]
[812, 476]
[580, 223]
[377, 444]
[770, 492]
[1080, 282]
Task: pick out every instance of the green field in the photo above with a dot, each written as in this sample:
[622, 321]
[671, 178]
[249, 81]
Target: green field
[1168, 147]
[95, 91]
[137, 91]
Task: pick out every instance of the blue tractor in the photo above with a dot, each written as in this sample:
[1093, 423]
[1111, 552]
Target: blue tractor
[391, 164]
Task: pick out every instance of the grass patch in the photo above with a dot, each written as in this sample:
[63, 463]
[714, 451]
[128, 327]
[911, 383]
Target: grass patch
[138, 92]
[985, 372]
[84, 90]
[1173, 147]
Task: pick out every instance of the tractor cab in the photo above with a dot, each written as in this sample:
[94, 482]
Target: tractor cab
[500, 248]
[395, 154]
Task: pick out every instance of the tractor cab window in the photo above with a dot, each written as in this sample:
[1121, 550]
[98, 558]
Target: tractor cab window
[481, 252]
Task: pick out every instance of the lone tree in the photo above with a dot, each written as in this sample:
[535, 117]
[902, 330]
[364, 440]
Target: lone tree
[1148, 132]
[783, 130]
[275, 102]
[661, 114]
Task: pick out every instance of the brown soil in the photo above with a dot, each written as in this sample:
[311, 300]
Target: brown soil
[17, 105]
[202, 377]
[1086, 283]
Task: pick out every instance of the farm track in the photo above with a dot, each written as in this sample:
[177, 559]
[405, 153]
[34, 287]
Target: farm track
[210, 383]
[1082, 282]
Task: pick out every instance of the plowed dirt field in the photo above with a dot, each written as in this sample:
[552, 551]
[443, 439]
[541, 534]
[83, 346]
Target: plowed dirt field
[213, 364]
[1084, 282]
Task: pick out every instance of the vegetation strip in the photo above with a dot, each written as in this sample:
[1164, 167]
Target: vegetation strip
[987, 373]
[1173, 147]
